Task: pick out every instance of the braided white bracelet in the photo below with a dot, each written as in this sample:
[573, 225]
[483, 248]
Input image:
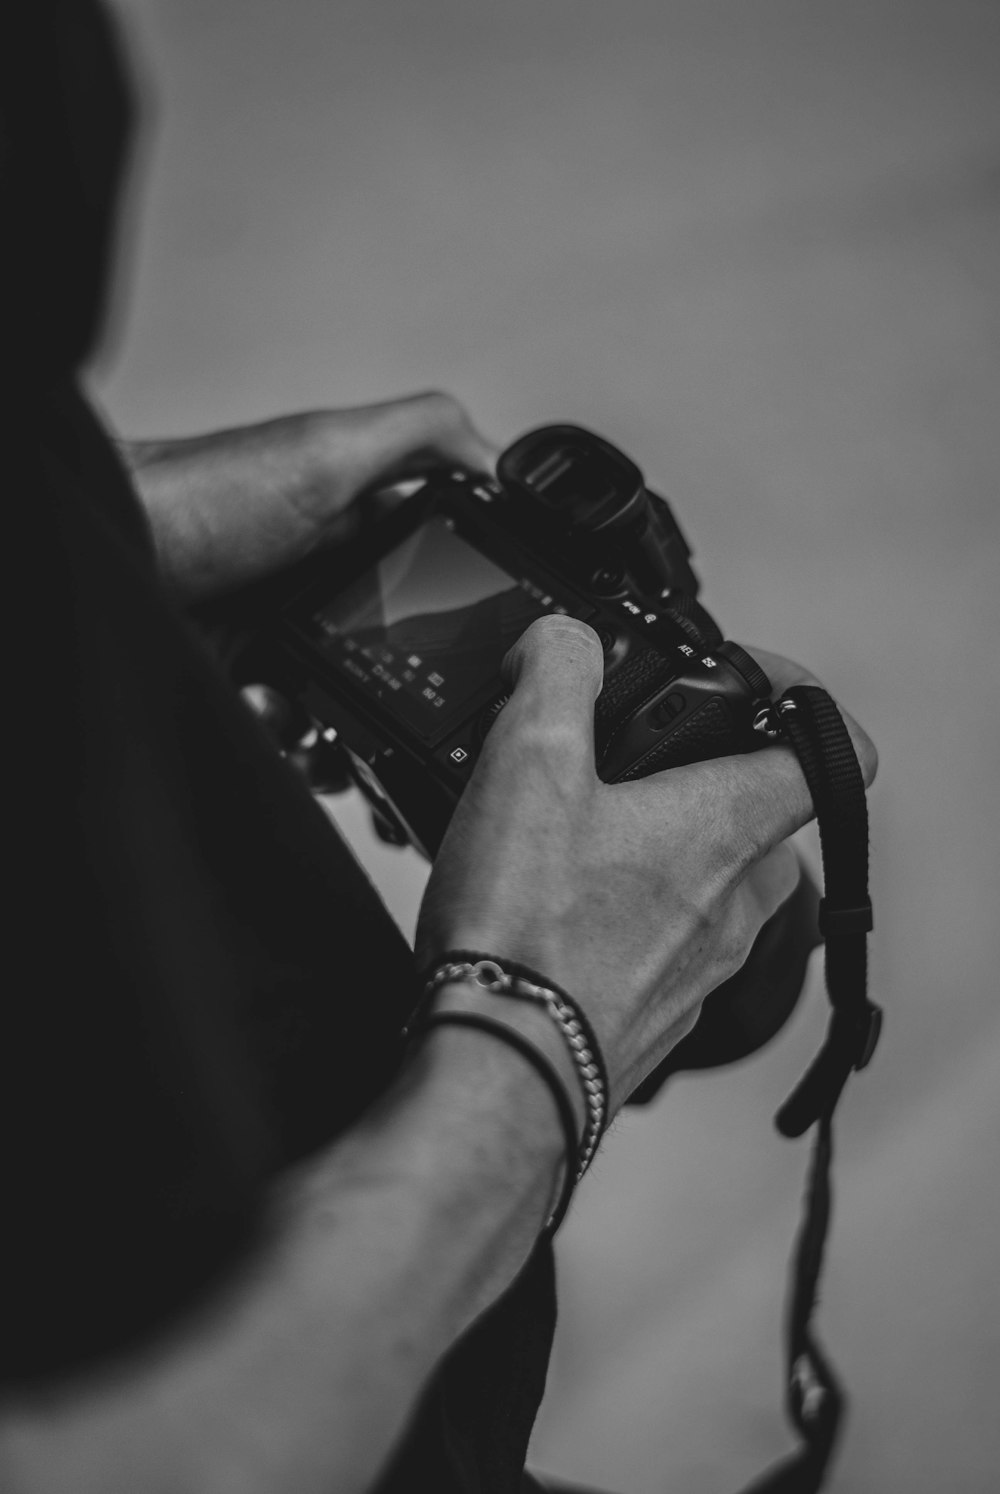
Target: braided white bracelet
[490, 975]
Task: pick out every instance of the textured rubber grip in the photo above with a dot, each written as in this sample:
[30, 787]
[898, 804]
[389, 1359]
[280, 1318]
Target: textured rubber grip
[636, 678]
[706, 733]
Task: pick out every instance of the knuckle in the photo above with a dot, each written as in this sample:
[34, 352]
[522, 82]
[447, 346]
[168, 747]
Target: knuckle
[742, 844]
[723, 931]
[785, 871]
[737, 933]
[770, 883]
[439, 403]
[556, 742]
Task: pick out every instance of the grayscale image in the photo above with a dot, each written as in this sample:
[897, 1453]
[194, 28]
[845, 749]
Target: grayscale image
[505, 822]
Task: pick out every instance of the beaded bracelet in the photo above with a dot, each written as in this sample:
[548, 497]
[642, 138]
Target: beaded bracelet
[508, 978]
[545, 1071]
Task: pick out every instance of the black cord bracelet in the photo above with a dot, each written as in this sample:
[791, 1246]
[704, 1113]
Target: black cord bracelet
[545, 1071]
[572, 1020]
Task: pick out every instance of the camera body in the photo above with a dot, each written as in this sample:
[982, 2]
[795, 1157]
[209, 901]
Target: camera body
[397, 646]
[393, 646]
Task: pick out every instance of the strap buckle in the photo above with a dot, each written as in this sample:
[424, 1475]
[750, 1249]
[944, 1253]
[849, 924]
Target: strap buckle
[768, 719]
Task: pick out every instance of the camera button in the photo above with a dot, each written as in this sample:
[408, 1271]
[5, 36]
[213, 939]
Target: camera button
[458, 757]
[608, 581]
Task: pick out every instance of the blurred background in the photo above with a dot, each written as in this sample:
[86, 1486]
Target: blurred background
[755, 243]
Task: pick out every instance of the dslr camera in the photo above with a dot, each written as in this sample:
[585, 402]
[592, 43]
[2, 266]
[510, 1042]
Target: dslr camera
[393, 647]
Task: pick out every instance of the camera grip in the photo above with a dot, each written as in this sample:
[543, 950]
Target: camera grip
[706, 733]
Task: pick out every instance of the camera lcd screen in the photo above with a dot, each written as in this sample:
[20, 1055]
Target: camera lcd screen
[426, 628]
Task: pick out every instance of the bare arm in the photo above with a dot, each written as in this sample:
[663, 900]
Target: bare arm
[382, 1253]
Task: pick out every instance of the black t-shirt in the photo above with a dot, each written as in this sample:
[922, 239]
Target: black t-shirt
[207, 987]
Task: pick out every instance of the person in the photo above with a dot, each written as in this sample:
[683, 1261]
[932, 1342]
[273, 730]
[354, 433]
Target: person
[253, 1240]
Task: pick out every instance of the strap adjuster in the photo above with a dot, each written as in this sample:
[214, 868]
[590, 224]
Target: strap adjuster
[836, 921]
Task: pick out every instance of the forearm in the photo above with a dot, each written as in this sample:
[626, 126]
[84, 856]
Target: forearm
[234, 505]
[384, 1251]
[225, 506]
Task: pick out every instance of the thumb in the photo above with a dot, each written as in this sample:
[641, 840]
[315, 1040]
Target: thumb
[556, 671]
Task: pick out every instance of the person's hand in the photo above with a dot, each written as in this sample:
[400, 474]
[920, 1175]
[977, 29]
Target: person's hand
[230, 507]
[637, 898]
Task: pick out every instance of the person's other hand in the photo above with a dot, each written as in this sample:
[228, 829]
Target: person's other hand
[637, 898]
[232, 506]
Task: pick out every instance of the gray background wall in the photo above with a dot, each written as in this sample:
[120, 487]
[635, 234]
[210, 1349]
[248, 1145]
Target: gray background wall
[756, 244]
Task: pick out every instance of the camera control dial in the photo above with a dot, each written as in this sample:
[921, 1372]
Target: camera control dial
[491, 713]
[746, 666]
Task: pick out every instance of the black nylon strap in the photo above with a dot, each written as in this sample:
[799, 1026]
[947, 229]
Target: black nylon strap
[815, 728]
[814, 1399]
[811, 722]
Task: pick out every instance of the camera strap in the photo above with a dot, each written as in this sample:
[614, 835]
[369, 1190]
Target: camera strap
[808, 720]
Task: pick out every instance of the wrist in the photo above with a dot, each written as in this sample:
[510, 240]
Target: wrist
[530, 1021]
[477, 1100]
[508, 1037]
[511, 982]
